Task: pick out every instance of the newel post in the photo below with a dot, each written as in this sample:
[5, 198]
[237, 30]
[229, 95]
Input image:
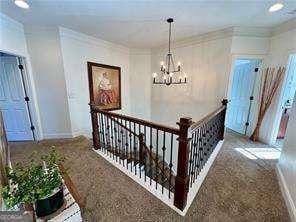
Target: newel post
[95, 128]
[224, 103]
[182, 178]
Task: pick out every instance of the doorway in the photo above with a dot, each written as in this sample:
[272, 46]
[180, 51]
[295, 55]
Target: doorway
[14, 99]
[240, 115]
[286, 101]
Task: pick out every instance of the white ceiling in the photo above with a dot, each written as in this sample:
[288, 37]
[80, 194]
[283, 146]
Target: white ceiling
[142, 23]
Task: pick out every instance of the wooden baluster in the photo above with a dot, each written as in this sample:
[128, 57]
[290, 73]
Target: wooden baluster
[115, 139]
[156, 159]
[95, 127]
[107, 134]
[112, 136]
[207, 142]
[140, 141]
[191, 159]
[103, 130]
[150, 156]
[171, 163]
[126, 144]
[195, 163]
[145, 152]
[122, 151]
[141, 150]
[199, 150]
[119, 141]
[223, 114]
[135, 149]
[131, 149]
[182, 178]
[163, 161]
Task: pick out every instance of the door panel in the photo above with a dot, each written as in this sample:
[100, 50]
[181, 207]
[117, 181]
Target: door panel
[243, 81]
[12, 104]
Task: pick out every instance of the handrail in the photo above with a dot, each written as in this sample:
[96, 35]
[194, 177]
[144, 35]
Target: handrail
[196, 141]
[123, 126]
[197, 124]
[168, 129]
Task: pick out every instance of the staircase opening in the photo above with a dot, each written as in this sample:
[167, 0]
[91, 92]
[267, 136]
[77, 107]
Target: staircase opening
[170, 162]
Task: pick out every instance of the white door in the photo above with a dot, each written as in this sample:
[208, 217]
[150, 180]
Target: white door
[238, 109]
[12, 101]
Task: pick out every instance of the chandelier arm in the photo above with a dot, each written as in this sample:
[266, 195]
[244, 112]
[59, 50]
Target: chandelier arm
[173, 64]
[167, 62]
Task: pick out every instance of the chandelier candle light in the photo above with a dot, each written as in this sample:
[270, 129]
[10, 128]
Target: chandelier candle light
[168, 69]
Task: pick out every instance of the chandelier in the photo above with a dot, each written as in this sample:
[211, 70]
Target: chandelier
[169, 74]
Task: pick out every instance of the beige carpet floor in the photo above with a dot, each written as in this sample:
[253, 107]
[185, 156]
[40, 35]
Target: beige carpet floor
[236, 189]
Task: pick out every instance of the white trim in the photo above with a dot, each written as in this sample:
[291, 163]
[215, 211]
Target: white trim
[197, 39]
[202, 175]
[255, 106]
[68, 33]
[86, 133]
[286, 194]
[279, 111]
[157, 192]
[57, 135]
[30, 87]
[284, 27]
[252, 31]
[136, 51]
[33, 104]
[10, 23]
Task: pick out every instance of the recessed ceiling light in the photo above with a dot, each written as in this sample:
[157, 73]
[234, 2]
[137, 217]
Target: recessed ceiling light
[21, 4]
[276, 7]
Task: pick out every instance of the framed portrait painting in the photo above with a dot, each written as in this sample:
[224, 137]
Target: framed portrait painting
[104, 86]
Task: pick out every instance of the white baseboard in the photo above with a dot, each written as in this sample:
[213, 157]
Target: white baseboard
[287, 196]
[164, 196]
[85, 133]
[202, 175]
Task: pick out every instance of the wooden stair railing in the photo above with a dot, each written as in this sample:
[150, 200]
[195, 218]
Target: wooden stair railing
[143, 154]
[135, 143]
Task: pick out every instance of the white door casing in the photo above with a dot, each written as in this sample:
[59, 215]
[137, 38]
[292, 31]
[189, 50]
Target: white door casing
[12, 103]
[242, 88]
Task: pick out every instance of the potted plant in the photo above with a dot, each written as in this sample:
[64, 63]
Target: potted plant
[38, 183]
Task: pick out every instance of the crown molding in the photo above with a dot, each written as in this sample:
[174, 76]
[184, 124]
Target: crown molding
[197, 39]
[284, 27]
[6, 21]
[68, 33]
[40, 30]
[252, 31]
[136, 51]
[260, 32]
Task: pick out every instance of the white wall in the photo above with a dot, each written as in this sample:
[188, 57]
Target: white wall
[250, 43]
[12, 38]
[140, 83]
[207, 63]
[287, 164]
[77, 50]
[47, 65]
[282, 44]
[13, 41]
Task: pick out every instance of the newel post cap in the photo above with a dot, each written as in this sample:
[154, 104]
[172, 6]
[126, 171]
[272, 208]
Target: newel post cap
[185, 122]
[224, 102]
